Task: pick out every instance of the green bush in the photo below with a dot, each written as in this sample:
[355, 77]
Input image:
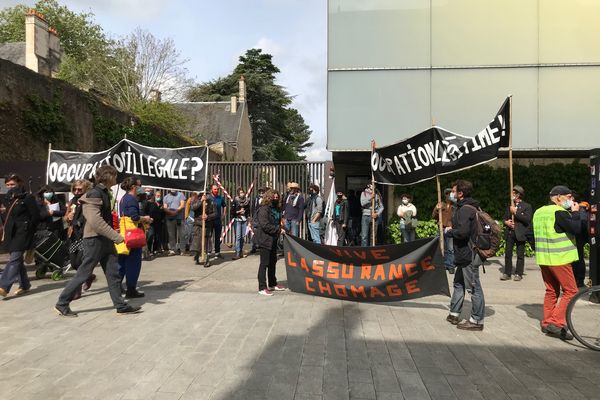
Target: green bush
[424, 229]
[491, 186]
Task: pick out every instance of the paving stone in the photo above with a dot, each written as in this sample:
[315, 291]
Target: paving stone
[191, 344]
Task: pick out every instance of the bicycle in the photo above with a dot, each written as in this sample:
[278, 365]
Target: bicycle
[583, 317]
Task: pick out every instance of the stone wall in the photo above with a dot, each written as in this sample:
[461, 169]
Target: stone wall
[70, 124]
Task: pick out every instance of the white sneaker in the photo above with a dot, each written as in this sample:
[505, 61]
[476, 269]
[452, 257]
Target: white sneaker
[265, 292]
[278, 288]
[171, 252]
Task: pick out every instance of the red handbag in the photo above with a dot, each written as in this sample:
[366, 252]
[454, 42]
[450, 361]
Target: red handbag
[135, 238]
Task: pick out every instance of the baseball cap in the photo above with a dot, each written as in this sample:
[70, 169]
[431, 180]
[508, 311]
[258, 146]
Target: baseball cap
[560, 190]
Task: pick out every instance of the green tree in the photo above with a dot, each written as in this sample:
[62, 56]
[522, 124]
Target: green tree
[279, 132]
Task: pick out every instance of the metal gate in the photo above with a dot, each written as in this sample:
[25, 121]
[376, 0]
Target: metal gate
[274, 175]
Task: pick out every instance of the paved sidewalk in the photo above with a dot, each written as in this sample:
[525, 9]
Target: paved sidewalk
[206, 334]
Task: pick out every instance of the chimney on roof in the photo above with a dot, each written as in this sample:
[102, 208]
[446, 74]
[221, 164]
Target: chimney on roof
[242, 89]
[233, 107]
[42, 47]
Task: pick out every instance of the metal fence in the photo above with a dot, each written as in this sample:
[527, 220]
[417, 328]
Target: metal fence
[274, 175]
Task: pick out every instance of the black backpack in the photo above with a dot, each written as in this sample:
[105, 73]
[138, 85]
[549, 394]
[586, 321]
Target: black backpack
[486, 238]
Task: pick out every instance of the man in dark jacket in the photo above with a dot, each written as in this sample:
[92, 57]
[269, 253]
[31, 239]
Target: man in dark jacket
[341, 215]
[253, 211]
[517, 219]
[467, 262]
[99, 240]
[22, 217]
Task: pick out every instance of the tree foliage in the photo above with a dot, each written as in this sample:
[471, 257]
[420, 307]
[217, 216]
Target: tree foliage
[123, 71]
[279, 132]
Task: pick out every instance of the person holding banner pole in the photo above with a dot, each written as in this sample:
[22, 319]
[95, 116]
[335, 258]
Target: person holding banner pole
[370, 213]
[205, 214]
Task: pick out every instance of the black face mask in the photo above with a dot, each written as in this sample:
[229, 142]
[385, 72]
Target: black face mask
[14, 192]
[339, 196]
[274, 203]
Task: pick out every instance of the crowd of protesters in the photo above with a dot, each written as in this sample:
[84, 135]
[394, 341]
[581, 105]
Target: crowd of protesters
[175, 225]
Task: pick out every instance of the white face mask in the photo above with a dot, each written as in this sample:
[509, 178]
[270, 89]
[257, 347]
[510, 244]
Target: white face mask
[452, 197]
[405, 201]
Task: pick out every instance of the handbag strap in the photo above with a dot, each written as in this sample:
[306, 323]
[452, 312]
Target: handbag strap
[7, 216]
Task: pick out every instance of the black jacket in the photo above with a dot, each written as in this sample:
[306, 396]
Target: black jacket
[344, 214]
[266, 229]
[211, 211]
[236, 205]
[47, 220]
[155, 211]
[21, 222]
[523, 225]
[463, 228]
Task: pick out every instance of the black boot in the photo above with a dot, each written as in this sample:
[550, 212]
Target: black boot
[197, 257]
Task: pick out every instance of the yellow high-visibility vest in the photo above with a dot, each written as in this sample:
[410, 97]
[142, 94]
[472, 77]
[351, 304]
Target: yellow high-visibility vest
[552, 248]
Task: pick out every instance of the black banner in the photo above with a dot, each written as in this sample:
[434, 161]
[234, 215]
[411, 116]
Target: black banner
[370, 274]
[182, 168]
[438, 152]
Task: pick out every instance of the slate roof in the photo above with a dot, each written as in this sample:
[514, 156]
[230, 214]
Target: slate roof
[212, 121]
[14, 52]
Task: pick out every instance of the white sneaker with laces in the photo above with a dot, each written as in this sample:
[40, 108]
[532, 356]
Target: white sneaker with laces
[278, 288]
[265, 292]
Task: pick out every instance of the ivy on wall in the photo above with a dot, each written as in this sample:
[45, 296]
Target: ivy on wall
[108, 132]
[45, 121]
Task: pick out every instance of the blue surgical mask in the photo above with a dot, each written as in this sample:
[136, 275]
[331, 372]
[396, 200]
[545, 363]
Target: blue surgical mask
[140, 191]
[567, 204]
[48, 195]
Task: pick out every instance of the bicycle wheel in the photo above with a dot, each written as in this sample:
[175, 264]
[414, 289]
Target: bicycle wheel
[583, 317]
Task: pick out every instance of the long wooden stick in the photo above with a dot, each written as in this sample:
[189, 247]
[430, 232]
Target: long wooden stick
[203, 238]
[510, 162]
[373, 194]
[440, 224]
[203, 246]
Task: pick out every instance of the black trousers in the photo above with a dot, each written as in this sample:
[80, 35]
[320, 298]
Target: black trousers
[266, 268]
[579, 265]
[96, 250]
[341, 232]
[510, 242]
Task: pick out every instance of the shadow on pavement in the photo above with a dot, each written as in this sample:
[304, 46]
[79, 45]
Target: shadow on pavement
[350, 354]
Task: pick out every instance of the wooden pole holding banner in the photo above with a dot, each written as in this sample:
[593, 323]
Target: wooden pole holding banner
[439, 193]
[202, 239]
[441, 225]
[510, 163]
[373, 194]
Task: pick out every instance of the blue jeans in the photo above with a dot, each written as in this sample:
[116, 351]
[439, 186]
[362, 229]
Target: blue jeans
[408, 235]
[240, 234]
[365, 230]
[13, 271]
[467, 278]
[448, 252]
[292, 227]
[315, 231]
[130, 267]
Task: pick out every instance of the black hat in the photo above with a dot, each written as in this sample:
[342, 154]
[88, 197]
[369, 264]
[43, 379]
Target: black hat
[519, 189]
[560, 190]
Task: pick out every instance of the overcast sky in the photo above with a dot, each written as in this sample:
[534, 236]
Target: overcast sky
[212, 34]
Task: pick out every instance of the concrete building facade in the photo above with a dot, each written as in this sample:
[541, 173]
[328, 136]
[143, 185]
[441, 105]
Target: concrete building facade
[397, 67]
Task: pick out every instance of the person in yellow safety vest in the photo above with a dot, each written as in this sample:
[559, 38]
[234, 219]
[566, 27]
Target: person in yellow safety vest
[554, 229]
